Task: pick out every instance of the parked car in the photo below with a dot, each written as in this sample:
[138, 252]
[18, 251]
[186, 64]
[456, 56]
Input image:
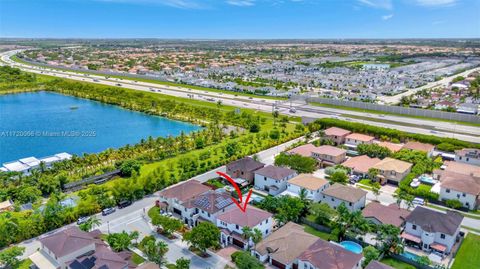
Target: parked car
[418, 201]
[82, 220]
[108, 211]
[124, 203]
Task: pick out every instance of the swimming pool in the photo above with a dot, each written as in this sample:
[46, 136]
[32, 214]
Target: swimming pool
[427, 179]
[352, 246]
[410, 255]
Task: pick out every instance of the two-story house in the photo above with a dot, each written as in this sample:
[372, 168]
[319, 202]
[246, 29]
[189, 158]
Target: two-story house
[392, 170]
[313, 186]
[432, 230]
[355, 139]
[206, 207]
[174, 196]
[329, 155]
[337, 135]
[462, 187]
[232, 221]
[353, 198]
[244, 169]
[423, 147]
[468, 156]
[273, 179]
[360, 165]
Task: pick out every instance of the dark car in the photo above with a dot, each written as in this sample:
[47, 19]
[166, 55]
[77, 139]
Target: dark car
[108, 211]
[124, 203]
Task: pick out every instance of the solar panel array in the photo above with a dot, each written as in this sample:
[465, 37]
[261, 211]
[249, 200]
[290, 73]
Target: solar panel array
[203, 202]
[222, 201]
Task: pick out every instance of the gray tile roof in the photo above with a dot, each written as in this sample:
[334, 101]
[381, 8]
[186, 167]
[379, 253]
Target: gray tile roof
[434, 221]
[275, 172]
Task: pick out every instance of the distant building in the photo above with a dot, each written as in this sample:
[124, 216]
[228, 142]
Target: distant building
[337, 135]
[462, 187]
[329, 155]
[6, 206]
[26, 165]
[423, 147]
[468, 108]
[468, 156]
[244, 169]
[355, 139]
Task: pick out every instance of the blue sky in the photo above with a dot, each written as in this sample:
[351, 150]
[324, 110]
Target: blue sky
[240, 18]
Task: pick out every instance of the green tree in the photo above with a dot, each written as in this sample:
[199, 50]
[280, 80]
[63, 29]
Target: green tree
[389, 236]
[339, 176]
[9, 256]
[370, 253]
[373, 173]
[120, 241]
[156, 251]
[376, 189]
[182, 263]
[169, 225]
[373, 151]
[127, 168]
[205, 235]
[454, 203]
[243, 260]
[323, 213]
[296, 162]
[90, 224]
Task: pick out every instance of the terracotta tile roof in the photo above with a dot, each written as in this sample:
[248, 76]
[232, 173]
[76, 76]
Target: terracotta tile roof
[304, 150]
[275, 172]
[413, 145]
[308, 181]
[210, 201]
[185, 190]
[286, 243]
[335, 131]
[251, 217]
[434, 221]
[460, 182]
[325, 255]
[68, 241]
[391, 214]
[361, 164]
[391, 146]
[329, 150]
[360, 137]
[377, 265]
[390, 164]
[346, 193]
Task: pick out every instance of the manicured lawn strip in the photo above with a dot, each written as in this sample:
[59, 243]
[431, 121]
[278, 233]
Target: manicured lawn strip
[472, 216]
[390, 113]
[397, 264]
[137, 259]
[468, 255]
[471, 229]
[166, 83]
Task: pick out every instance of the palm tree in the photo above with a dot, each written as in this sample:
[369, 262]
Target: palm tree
[389, 236]
[303, 195]
[156, 251]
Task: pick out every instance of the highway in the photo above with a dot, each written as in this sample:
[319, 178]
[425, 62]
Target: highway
[413, 125]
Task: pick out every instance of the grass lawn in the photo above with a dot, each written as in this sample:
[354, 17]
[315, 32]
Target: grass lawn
[137, 259]
[468, 255]
[171, 266]
[313, 231]
[216, 182]
[397, 264]
[24, 264]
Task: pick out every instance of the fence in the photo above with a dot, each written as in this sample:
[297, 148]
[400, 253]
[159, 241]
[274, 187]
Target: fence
[78, 185]
[399, 110]
[319, 227]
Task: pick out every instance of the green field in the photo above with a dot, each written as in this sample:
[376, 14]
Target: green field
[468, 255]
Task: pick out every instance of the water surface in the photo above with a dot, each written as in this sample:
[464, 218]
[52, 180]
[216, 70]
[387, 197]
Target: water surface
[44, 123]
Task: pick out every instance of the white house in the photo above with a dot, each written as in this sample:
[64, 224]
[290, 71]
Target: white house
[232, 221]
[461, 187]
[432, 230]
[355, 139]
[206, 207]
[353, 198]
[312, 185]
[468, 156]
[273, 179]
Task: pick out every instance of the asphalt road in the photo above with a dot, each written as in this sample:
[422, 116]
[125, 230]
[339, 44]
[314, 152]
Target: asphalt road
[422, 126]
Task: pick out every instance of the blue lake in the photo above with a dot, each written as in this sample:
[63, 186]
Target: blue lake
[43, 123]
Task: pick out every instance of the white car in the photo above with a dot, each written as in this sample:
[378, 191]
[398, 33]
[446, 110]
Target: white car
[418, 201]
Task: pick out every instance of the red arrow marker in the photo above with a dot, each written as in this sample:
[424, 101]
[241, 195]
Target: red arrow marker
[239, 192]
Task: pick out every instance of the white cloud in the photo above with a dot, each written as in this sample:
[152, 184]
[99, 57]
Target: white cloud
[387, 17]
[241, 3]
[383, 4]
[186, 4]
[436, 3]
